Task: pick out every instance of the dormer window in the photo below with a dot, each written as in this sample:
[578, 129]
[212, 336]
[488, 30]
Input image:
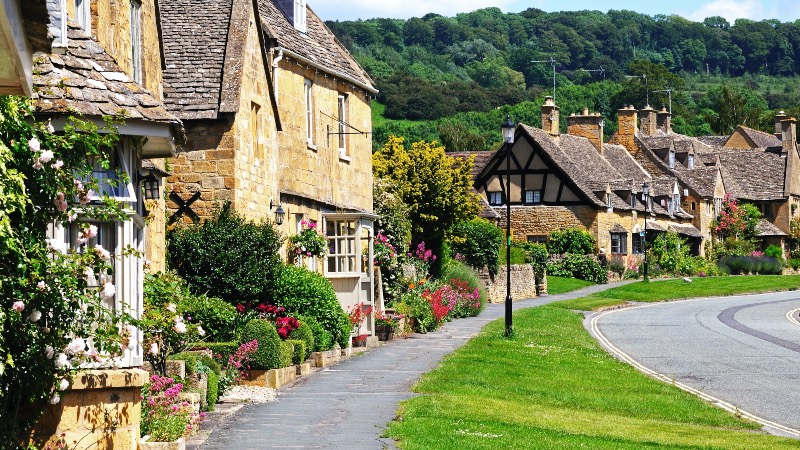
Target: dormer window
[690, 161]
[633, 201]
[672, 159]
[300, 15]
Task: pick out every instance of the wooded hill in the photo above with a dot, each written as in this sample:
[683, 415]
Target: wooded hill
[435, 73]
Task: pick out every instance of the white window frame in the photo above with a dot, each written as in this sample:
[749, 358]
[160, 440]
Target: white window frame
[124, 192]
[83, 15]
[672, 159]
[341, 109]
[136, 40]
[308, 93]
[344, 256]
[622, 240]
[300, 15]
[690, 161]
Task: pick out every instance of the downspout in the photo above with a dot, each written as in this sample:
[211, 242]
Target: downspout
[275, 62]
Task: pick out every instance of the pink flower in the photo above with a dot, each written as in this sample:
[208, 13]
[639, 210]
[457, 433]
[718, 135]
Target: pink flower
[46, 156]
[18, 306]
[37, 165]
[102, 253]
[154, 349]
[179, 327]
[60, 202]
[58, 164]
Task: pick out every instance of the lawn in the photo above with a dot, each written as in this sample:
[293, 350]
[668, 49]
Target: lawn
[553, 386]
[662, 290]
[561, 285]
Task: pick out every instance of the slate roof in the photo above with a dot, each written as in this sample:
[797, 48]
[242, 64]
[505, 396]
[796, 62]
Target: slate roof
[713, 141]
[758, 175]
[701, 180]
[759, 138]
[195, 37]
[617, 228]
[86, 80]
[318, 44]
[619, 157]
[767, 228]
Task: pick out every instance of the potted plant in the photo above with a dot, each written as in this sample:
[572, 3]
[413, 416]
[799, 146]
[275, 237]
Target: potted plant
[308, 242]
[385, 326]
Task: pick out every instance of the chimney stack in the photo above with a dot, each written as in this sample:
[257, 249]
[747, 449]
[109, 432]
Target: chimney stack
[587, 125]
[647, 121]
[627, 129]
[664, 120]
[550, 116]
[789, 135]
[779, 117]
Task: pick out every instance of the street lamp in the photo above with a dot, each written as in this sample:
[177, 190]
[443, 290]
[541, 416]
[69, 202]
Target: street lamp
[645, 197]
[508, 141]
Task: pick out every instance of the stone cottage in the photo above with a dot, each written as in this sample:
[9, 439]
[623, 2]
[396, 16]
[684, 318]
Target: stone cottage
[278, 117]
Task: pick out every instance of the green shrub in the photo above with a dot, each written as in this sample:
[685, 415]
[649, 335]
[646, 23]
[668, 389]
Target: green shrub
[763, 265]
[189, 359]
[299, 350]
[536, 256]
[478, 242]
[518, 254]
[285, 354]
[212, 394]
[227, 257]
[794, 263]
[309, 294]
[419, 312]
[584, 267]
[322, 339]
[671, 253]
[774, 251]
[209, 362]
[216, 316]
[616, 264]
[571, 240]
[305, 334]
[269, 344]
[220, 350]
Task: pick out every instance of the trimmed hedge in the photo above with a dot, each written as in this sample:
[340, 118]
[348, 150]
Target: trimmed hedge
[309, 294]
[285, 354]
[212, 394]
[190, 360]
[323, 340]
[299, 350]
[216, 316]
[305, 334]
[268, 355]
[220, 350]
[584, 267]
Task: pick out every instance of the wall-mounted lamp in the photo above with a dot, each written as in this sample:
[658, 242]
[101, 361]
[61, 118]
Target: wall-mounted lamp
[279, 213]
[151, 184]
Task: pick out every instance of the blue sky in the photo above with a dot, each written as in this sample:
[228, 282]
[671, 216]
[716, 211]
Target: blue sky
[784, 10]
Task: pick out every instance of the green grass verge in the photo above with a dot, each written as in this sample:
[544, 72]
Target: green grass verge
[553, 386]
[562, 285]
[662, 290]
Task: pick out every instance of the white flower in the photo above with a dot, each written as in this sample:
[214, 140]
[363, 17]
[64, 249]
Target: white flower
[102, 253]
[88, 274]
[58, 164]
[108, 291]
[42, 286]
[54, 399]
[179, 327]
[49, 352]
[46, 156]
[71, 216]
[201, 331]
[35, 315]
[34, 145]
[37, 165]
[49, 127]
[61, 361]
[63, 384]
[76, 346]
[172, 308]
[153, 349]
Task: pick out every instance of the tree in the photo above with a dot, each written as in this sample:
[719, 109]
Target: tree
[436, 188]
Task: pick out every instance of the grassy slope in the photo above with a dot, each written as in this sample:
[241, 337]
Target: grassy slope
[553, 386]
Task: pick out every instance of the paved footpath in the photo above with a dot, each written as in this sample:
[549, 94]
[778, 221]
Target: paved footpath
[347, 406]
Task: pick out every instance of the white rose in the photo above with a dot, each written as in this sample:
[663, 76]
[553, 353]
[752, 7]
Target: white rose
[62, 361]
[76, 346]
[63, 384]
[49, 127]
[102, 253]
[179, 327]
[35, 315]
[46, 156]
[54, 399]
[201, 331]
[108, 291]
[34, 145]
[49, 352]
[153, 349]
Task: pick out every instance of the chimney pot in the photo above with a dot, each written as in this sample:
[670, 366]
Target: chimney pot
[550, 116]
[585, 111]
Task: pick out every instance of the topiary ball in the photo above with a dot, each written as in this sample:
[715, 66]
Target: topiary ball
[269, 343]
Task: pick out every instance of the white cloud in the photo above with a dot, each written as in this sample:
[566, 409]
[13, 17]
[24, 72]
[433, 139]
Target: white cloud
[732, 10]
[399, 9]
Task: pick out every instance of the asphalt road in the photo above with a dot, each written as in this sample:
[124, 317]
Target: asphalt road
[347, 406]
[742, 350]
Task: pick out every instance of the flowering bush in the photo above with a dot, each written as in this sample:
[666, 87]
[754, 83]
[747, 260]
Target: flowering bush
[358, 314]
[389, 262]
[165, 417]
[736, 220]
[387, 320]
[421, 259]
[308, 242]
[51, 309]
[467, 299]
[442, 301]
[236, 366]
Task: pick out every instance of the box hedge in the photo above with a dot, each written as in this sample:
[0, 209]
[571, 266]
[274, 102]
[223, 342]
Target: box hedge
[269, 344]
[285, 354]
[299, 350]
[212, 394]
[305, 334]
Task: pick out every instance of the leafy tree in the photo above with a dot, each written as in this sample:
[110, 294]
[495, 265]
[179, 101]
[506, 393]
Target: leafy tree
[456, 137]
[730, 106]
[417, 32]
[571, 240]
[478, 242]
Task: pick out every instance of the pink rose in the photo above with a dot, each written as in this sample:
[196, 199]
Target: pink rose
[18, 306]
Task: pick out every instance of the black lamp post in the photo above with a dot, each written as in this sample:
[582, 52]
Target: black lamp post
[646, 198]
[508, 141]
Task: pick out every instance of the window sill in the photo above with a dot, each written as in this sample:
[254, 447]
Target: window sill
[342, 274]
[343, 156]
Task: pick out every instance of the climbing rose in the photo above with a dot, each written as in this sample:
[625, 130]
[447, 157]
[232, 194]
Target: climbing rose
[46, 156]
[18, 306]
[35, 315]
[34, 145]
[54, 399]
[63, 384]
[108, 291]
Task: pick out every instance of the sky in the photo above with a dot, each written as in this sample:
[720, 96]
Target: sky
[784, 10]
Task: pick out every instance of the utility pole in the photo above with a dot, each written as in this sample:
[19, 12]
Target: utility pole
[669, 93]
[552, 63]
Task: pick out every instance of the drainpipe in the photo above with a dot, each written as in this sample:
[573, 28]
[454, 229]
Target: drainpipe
[275, 72]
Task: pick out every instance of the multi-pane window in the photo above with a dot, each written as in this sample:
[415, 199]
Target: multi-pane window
[136, 40]
[608, 201]
[300, 15]
[690, 161]
[618, 243]
[533, 197]
[114, 181]
[717, 206]
[637, 242]
[83, 15]
[495, 198]
[342, 254]
[676, 203]
[309, 96]
[342, 110]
